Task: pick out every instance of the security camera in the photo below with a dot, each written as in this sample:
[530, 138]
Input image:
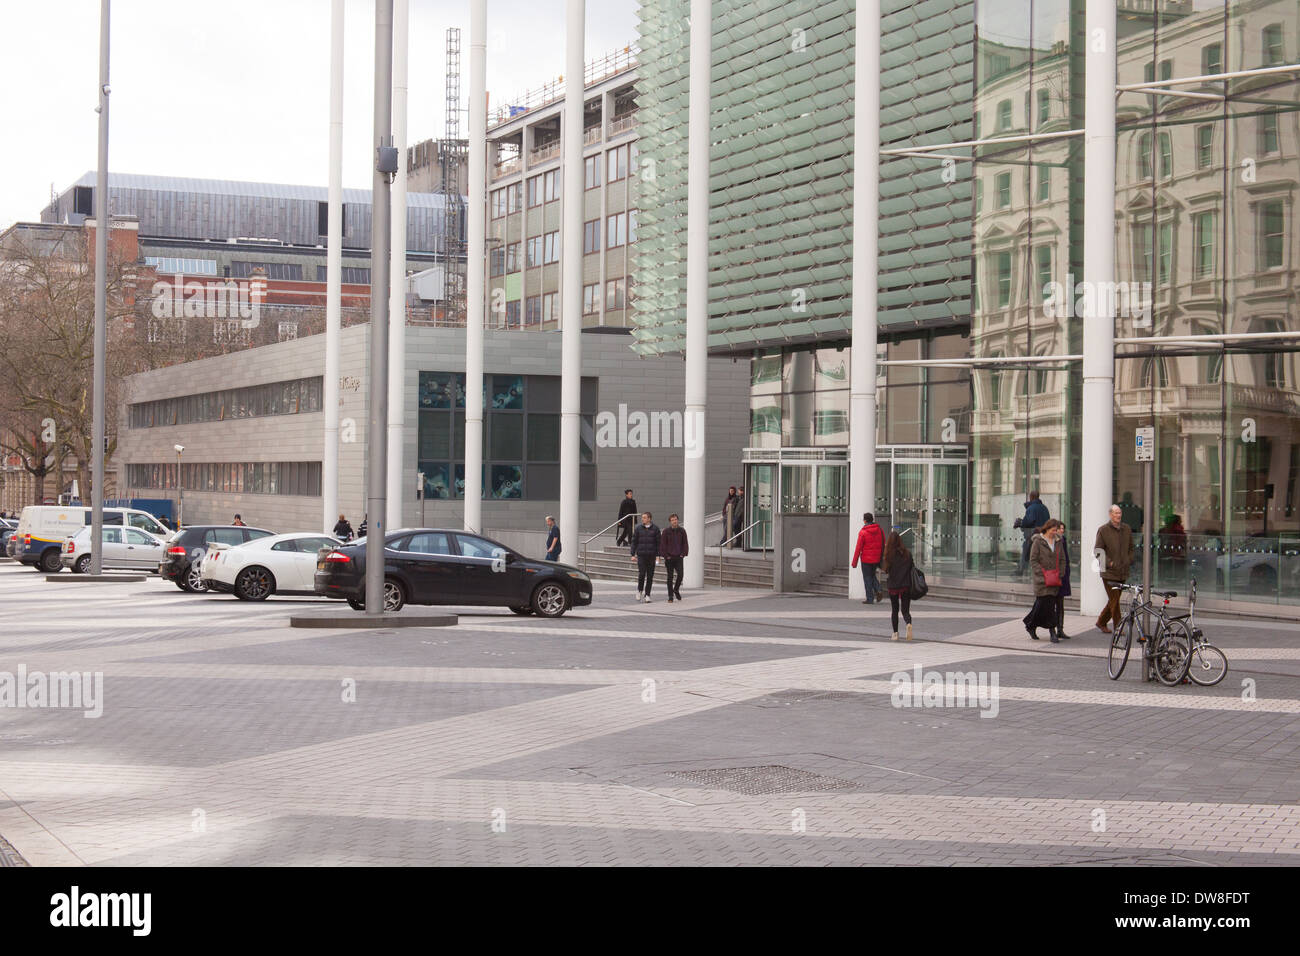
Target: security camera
[179, 448]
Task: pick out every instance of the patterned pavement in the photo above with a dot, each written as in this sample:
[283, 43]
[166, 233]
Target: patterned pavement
[730, 729]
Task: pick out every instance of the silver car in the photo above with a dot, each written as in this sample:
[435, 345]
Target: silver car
[124, 548]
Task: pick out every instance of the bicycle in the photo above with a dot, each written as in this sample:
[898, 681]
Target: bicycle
[1168, 652]
[1207, 664]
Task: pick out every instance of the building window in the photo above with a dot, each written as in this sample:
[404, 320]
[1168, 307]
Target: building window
[1274, 49]
[289, 397]
[1166, 156]
[354, 275]
[1203, 224]
[512, 314]
[287, 331]
[551, 307]
[551, 184]
[1212, 59]
[1165, 253]
[1044, 106]
[498, 197]
[995, 384]
[615, 295]
[512, 257]
[534, 257]
[616, 232]
[1003, 183]
[533, 310]
[590, 299]
[169, 265]
[1142, 251]
[534, 191]
[617, 163]
[552, 248]
[1161, 372]
[591, 237]
[1043, 263]
[497, 262]
[301, 478]
[1044, 183]
[1003, 262]
[514, 197]
[1004, 116]
[1272, 235]
[1268, 144]
[1144, 156]
[1204, 147]
[591, 171]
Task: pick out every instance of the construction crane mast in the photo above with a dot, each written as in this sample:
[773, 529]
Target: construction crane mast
[452, 157]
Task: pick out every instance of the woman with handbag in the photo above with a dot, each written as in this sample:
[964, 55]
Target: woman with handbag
[1046, 552]
[898, 566]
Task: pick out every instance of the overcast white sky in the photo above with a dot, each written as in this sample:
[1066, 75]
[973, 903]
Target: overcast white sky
[240, 89]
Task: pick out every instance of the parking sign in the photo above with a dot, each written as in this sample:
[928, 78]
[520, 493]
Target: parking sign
[1144, 444]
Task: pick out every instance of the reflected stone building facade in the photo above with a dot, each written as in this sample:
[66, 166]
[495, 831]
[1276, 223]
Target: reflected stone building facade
[981, 247]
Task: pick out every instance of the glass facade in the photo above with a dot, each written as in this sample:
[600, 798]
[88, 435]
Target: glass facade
[279, 398]
[521, 436]
[245, 478]
[980, 258]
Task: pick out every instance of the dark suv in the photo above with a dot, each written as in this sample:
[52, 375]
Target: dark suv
[185, 550]
[435, 566]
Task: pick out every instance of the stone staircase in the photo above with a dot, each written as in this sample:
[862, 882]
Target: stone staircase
[739, 569]
[835, 584]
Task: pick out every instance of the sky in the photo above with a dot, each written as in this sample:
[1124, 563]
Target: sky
[240, 89]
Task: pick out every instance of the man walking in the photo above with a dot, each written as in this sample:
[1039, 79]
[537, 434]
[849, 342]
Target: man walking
[552, 539]
[626, 516]
[645, 551]
[1036, 516]
[1114, 550]
[673, 547]
[732, 503]
[871, 541]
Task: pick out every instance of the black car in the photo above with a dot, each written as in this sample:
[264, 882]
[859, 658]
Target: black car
[437, 566]
[185, 550]
[7, 529]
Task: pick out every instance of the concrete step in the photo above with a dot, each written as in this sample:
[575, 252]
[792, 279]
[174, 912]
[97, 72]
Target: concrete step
[614, 564]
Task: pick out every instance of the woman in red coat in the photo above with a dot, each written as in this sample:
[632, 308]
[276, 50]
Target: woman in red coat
[871, 541]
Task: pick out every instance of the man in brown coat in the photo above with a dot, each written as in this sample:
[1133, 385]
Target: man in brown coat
[1115, 543]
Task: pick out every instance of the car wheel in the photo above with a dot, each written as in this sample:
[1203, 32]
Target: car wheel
[51, 563]
[194, 582]
[356, 605]
[254, 584]
[1263, 579]
[522, 610]
[180, 583]
[394, 596]
[81, 565]
[550, 599]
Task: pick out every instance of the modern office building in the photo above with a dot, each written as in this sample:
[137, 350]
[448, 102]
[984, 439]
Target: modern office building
[980, 247]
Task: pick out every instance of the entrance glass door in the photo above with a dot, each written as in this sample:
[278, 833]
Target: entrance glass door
[947, 531]
[760, 487]
[912, 506]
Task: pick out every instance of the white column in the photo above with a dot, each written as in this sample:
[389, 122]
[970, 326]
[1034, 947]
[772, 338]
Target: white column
[698, 141]
[400, 483]
[571, 279]
[1097, 446]
[475, 244]
[333, 287]
[866, 213]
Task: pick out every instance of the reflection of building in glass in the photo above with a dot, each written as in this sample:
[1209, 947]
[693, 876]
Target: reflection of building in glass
[981, 260]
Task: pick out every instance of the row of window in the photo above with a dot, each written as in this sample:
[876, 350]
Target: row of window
[171, 265]
[619, 163]
[544, 249]
[278, 398]
[247, 478]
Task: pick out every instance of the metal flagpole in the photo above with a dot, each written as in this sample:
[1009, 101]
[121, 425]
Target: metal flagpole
[101, 305]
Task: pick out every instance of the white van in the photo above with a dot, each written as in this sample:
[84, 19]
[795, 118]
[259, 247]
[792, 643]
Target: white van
[42, 529]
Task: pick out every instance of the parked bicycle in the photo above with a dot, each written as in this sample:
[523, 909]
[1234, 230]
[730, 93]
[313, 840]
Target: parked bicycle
[1166, 647]
[1208, 665]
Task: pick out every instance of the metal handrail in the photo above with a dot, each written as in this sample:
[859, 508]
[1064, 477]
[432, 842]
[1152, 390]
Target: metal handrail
[722, 548]
[582, 546]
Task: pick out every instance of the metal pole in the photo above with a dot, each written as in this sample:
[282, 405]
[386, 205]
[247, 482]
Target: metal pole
[475, 280]
[333, 279]
[1148, 545]
[180, 491]
[102, 227]
[397, 487]
[698, 141]
[1098, 274]
[571, 269]
[377, 427]
[866, 251]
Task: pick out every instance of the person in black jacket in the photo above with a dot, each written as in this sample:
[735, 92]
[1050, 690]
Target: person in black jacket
[673, 548]
[645, 551]
[342, 529]
[898, 567]
[626, 516]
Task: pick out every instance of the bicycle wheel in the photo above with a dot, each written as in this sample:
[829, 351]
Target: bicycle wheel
[1208, 665]
[1171, 652]
[1120, 643]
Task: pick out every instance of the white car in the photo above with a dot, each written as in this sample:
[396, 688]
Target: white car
[123, 548]
[275, 564]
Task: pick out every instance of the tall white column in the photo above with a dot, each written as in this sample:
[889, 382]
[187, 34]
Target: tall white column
[400, 484]
[698, 141]
[571, 278]
[1097, 446]
[475, 279]
[866, 249]
[333, 286]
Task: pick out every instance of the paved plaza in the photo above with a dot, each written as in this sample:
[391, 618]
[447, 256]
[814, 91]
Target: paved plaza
[738, 727]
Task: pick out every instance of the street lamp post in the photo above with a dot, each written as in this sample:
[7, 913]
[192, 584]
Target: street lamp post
[180, 486]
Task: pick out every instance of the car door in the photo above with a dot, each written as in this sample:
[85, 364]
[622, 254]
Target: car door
[142, 550]
[114, 554]
[428, 562]
[489, 577]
